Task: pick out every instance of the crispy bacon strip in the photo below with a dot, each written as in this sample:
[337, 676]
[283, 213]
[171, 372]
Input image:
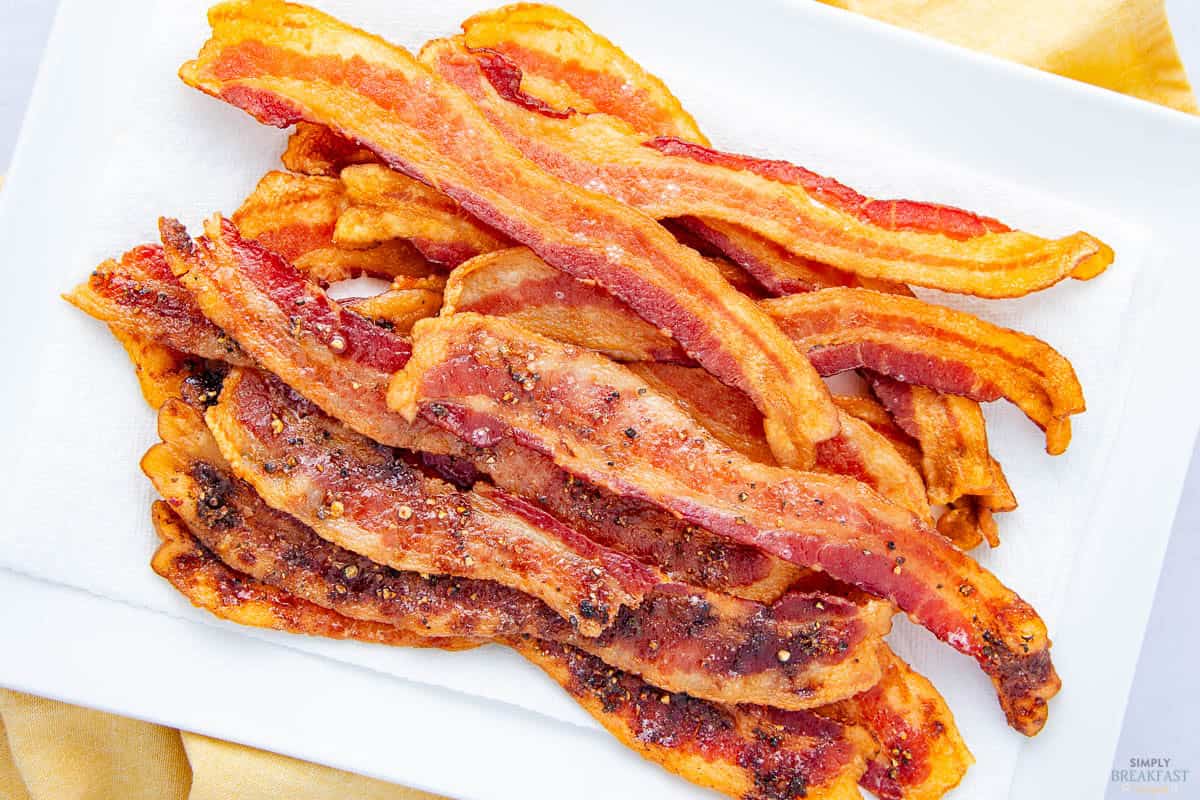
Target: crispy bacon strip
[812, 216]
[296, 215]
[706, 644]
[951, 351]
[379, 502]
[486, 380]
[284, 63]
[741, 751]
[922, 756]
[140, 295]
[254, 294]
[386, 205]
[213, 586]
[584, 70]
[858, 451]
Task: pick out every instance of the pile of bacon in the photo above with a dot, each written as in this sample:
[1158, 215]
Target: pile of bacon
[587, 419]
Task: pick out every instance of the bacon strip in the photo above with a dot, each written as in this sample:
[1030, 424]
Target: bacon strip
[215, 587]
[952, 351]
[741, 751]
[587, 71]
[385, 205]
[296, 215]
[487, 380]
[285, 63]
[810, 215]
[379, 503]
[254, 295]
[140, 295]
[922, 756]
[705, 644]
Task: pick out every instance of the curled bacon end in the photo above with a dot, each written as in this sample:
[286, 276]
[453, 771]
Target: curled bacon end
[164, 372]
[316, 150]
[284, 63]
[489, 381]
[922, 755]
[211, 585]
[968, 522]
[574, 67]
[921, 343]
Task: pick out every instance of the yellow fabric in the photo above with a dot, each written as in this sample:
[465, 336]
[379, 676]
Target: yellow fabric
[1123, 45]
[59, 752]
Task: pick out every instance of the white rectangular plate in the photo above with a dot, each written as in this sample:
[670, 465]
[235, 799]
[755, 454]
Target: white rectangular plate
[113, 140]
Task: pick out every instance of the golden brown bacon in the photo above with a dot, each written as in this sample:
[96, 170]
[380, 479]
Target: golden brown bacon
[316, 150]
[487, 380]
[296, 216]
[386, 205]
[745, 752]
[584, 70]
[951, 351]
[228, 594]
[255, 294]
[810, 215]
[705, 644]
[379, 503]
[921, 754]
[139, 295]
[285, 63]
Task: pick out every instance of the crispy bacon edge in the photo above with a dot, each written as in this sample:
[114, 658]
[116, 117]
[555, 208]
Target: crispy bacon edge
[284, 63]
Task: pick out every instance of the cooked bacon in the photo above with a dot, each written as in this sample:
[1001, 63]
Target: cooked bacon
[164, 372]
[763, 753]
[858, 451]
[316, 150]
[873, 413]
[385, 205]
[284, 63]
[742, 751]
[810, 215]
[379, 503]
[922, 756]
[296, 215]
[951, 351]
[352, 389]
[139, 295]
[516, 283]
[588, 72]
[706, 644]
[487, 380]
[209, 584]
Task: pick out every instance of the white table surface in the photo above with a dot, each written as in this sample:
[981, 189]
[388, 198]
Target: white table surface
[1164, 704]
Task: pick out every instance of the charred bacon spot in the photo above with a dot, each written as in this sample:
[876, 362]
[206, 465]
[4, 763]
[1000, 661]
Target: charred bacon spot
[212, 504]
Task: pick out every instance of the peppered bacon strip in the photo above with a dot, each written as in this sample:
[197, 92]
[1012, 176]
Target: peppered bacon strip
[285, 63]
[209, 584]
[296, 217]
[384, 205]
[811, 215]
[487, 380]
[921, 754]
[379, 502]
[140, 295]
[706, 644]
[745, 752]
[254, 295]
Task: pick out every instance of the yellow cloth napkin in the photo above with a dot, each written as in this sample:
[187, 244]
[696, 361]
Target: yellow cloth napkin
[1123, 45]
[53, 751]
